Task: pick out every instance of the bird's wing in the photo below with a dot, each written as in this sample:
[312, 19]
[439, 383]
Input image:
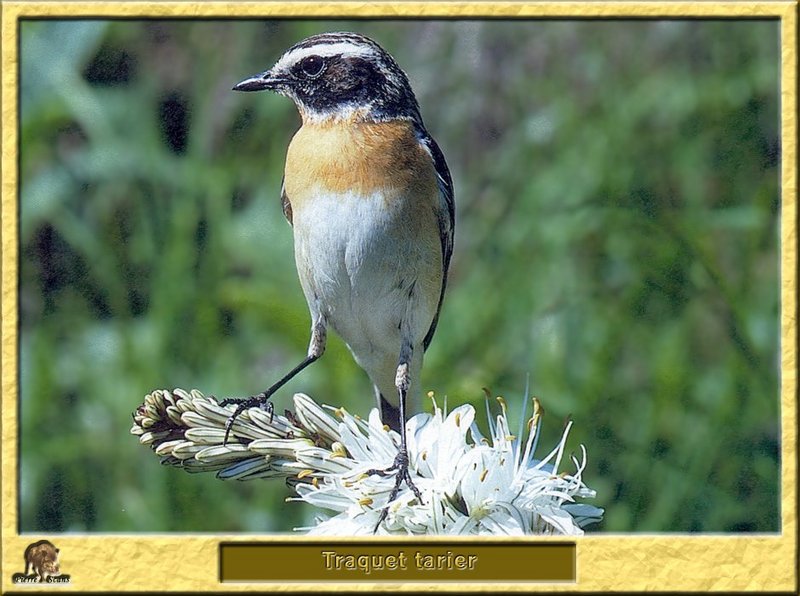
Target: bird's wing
[285, 204]
[446, 214]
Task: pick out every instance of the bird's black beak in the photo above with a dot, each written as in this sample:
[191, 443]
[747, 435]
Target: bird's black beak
[260, 82]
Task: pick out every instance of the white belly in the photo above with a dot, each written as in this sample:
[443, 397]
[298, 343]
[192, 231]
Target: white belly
[369, 273]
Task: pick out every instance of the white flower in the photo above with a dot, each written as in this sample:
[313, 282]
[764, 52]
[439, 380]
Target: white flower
[469, 484]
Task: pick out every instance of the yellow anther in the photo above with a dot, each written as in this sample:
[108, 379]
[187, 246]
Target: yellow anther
[338, 450]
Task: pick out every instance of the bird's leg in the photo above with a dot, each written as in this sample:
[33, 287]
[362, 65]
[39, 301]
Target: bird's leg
[316, 348]
[400, 466]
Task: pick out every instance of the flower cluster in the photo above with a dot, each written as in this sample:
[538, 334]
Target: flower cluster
[470, 484]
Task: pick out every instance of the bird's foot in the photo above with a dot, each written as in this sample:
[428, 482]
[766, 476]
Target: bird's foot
[401, 474]
[260, 400]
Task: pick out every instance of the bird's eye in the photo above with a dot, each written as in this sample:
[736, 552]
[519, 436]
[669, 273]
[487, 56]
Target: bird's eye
[312, 66]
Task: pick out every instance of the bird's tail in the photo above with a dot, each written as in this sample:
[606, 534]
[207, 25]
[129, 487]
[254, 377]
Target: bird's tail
[389, 414]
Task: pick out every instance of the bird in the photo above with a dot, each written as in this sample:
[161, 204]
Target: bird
[370, 199]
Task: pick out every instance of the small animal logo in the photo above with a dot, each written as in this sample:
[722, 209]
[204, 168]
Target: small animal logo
[41, 565]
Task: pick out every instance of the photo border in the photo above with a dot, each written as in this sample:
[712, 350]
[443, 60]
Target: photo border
[140, 562]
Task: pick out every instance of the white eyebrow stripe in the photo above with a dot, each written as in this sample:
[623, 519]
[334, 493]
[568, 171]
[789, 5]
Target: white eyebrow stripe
[323, 49]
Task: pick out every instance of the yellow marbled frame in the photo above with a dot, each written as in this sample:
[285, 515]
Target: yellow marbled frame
[605, 562]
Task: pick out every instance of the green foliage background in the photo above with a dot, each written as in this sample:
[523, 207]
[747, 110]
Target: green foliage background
[617, 189]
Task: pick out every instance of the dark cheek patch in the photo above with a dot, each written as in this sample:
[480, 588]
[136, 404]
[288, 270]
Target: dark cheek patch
[345, 81]
[356, 82]
[360, 76]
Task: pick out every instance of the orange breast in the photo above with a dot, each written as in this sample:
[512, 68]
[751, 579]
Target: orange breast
[359, 158]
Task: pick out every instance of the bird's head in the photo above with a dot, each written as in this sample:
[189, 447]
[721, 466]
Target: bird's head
[339, 76]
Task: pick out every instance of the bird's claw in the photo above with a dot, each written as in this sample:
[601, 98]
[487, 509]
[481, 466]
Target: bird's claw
[400, 470]
[260, 400]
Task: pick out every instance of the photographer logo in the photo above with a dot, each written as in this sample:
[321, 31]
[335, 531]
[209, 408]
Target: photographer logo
[41, 565]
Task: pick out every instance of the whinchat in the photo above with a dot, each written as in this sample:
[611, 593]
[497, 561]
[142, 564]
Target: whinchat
[370, 198]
